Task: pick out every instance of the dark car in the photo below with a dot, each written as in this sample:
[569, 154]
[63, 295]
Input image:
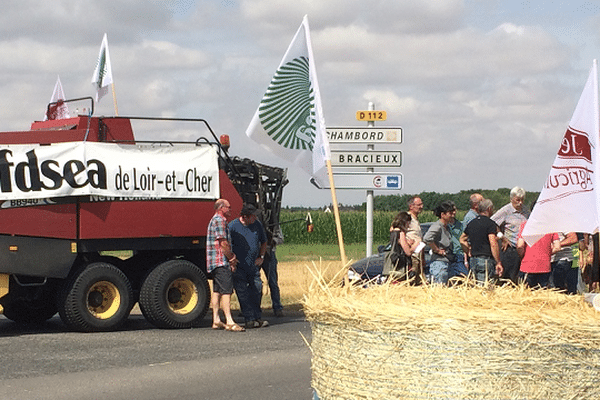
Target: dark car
[370, 268]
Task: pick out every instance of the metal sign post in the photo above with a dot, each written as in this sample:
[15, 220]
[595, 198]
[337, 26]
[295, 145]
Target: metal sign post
[370, 147]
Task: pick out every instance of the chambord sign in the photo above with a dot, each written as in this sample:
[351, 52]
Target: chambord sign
[287, 111]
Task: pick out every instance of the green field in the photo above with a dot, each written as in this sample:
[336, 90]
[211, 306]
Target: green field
[354, 226]
[329, 252]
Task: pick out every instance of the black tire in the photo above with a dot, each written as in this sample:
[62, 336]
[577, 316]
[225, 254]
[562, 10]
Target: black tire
[131, 277]
[175, 294]
[30, 304]
[98, 298]
[23, 312]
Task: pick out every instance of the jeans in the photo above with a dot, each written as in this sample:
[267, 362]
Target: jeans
[270, 268]
[439, 271]
[458, 268]
[564, 276]
[483, 268]
[537, 280]
[248, 294]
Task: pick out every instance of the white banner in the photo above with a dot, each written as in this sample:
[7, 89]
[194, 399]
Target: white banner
[108, 169]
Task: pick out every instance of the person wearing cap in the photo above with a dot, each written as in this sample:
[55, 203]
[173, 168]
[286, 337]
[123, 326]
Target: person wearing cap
[249, 244]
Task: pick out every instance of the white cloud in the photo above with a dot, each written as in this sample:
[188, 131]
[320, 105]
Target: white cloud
[510, 29]
[482, 89]
[388, 100]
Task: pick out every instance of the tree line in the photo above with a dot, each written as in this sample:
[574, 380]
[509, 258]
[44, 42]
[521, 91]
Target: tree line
[398, 202]
[431, 200]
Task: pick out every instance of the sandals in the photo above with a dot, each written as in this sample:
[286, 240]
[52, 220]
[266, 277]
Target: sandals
[234, 328]
[219, 325]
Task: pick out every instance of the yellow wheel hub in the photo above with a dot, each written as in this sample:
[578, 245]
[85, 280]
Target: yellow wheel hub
[182, 296]
[103, 299]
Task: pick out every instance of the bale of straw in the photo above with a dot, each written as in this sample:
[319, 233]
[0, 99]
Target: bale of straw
[466, 342]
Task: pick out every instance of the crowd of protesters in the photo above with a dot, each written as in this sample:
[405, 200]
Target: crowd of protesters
[487, 246]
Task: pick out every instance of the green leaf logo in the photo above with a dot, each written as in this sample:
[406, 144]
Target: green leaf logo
[287, 111]
[101, 68]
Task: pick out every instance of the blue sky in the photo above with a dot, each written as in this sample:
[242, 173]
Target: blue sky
[483, 89]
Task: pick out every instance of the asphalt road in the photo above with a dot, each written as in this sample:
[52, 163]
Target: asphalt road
[142, 362]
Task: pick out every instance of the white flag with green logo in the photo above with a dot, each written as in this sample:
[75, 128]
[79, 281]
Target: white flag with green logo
[102, 77]
[289, 120]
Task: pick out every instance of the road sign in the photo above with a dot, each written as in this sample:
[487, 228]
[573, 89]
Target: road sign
[371, 115]
[366, 180]
[368, 158]
[364, 135]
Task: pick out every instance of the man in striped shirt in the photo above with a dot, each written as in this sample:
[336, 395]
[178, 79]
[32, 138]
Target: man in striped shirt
[509, 218]
[220, 263]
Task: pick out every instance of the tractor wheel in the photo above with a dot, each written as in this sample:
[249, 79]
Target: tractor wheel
[175, 294]
[97, 298]
[30, 304]
[23, 312]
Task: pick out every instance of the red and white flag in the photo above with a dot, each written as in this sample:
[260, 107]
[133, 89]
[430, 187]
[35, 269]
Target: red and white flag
[59, 110]
[289, 120]
[570, 197]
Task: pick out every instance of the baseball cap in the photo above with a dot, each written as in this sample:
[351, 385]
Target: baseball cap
[249, 209]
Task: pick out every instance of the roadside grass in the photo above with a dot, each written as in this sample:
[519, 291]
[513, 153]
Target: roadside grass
[295, 263]
[314, 252]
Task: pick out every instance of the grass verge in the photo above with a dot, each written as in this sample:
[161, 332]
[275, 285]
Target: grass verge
[314, 252]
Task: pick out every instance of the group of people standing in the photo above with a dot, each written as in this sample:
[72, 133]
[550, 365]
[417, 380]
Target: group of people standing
[488, 245]
[235, 254]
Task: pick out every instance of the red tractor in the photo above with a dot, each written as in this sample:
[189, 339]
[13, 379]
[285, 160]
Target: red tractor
[91, 258]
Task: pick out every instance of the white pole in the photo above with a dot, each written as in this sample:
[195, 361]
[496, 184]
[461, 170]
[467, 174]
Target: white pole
[370, 196]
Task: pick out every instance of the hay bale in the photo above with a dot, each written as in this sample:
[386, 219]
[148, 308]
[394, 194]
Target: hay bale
[398, 341]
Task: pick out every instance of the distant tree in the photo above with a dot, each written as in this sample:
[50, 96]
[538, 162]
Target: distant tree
[392, 202]
[398, 202]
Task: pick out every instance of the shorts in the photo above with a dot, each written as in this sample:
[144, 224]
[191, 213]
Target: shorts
[222, 280]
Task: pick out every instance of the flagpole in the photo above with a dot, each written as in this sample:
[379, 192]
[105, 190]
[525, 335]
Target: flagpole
[595, 240]
[115, 99]
[336, 214]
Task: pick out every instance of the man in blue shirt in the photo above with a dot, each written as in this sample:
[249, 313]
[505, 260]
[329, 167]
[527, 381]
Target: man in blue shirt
[474, 201]
[458, 267]
[249, 244]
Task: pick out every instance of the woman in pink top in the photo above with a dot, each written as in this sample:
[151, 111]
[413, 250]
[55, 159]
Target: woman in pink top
[535, 260]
